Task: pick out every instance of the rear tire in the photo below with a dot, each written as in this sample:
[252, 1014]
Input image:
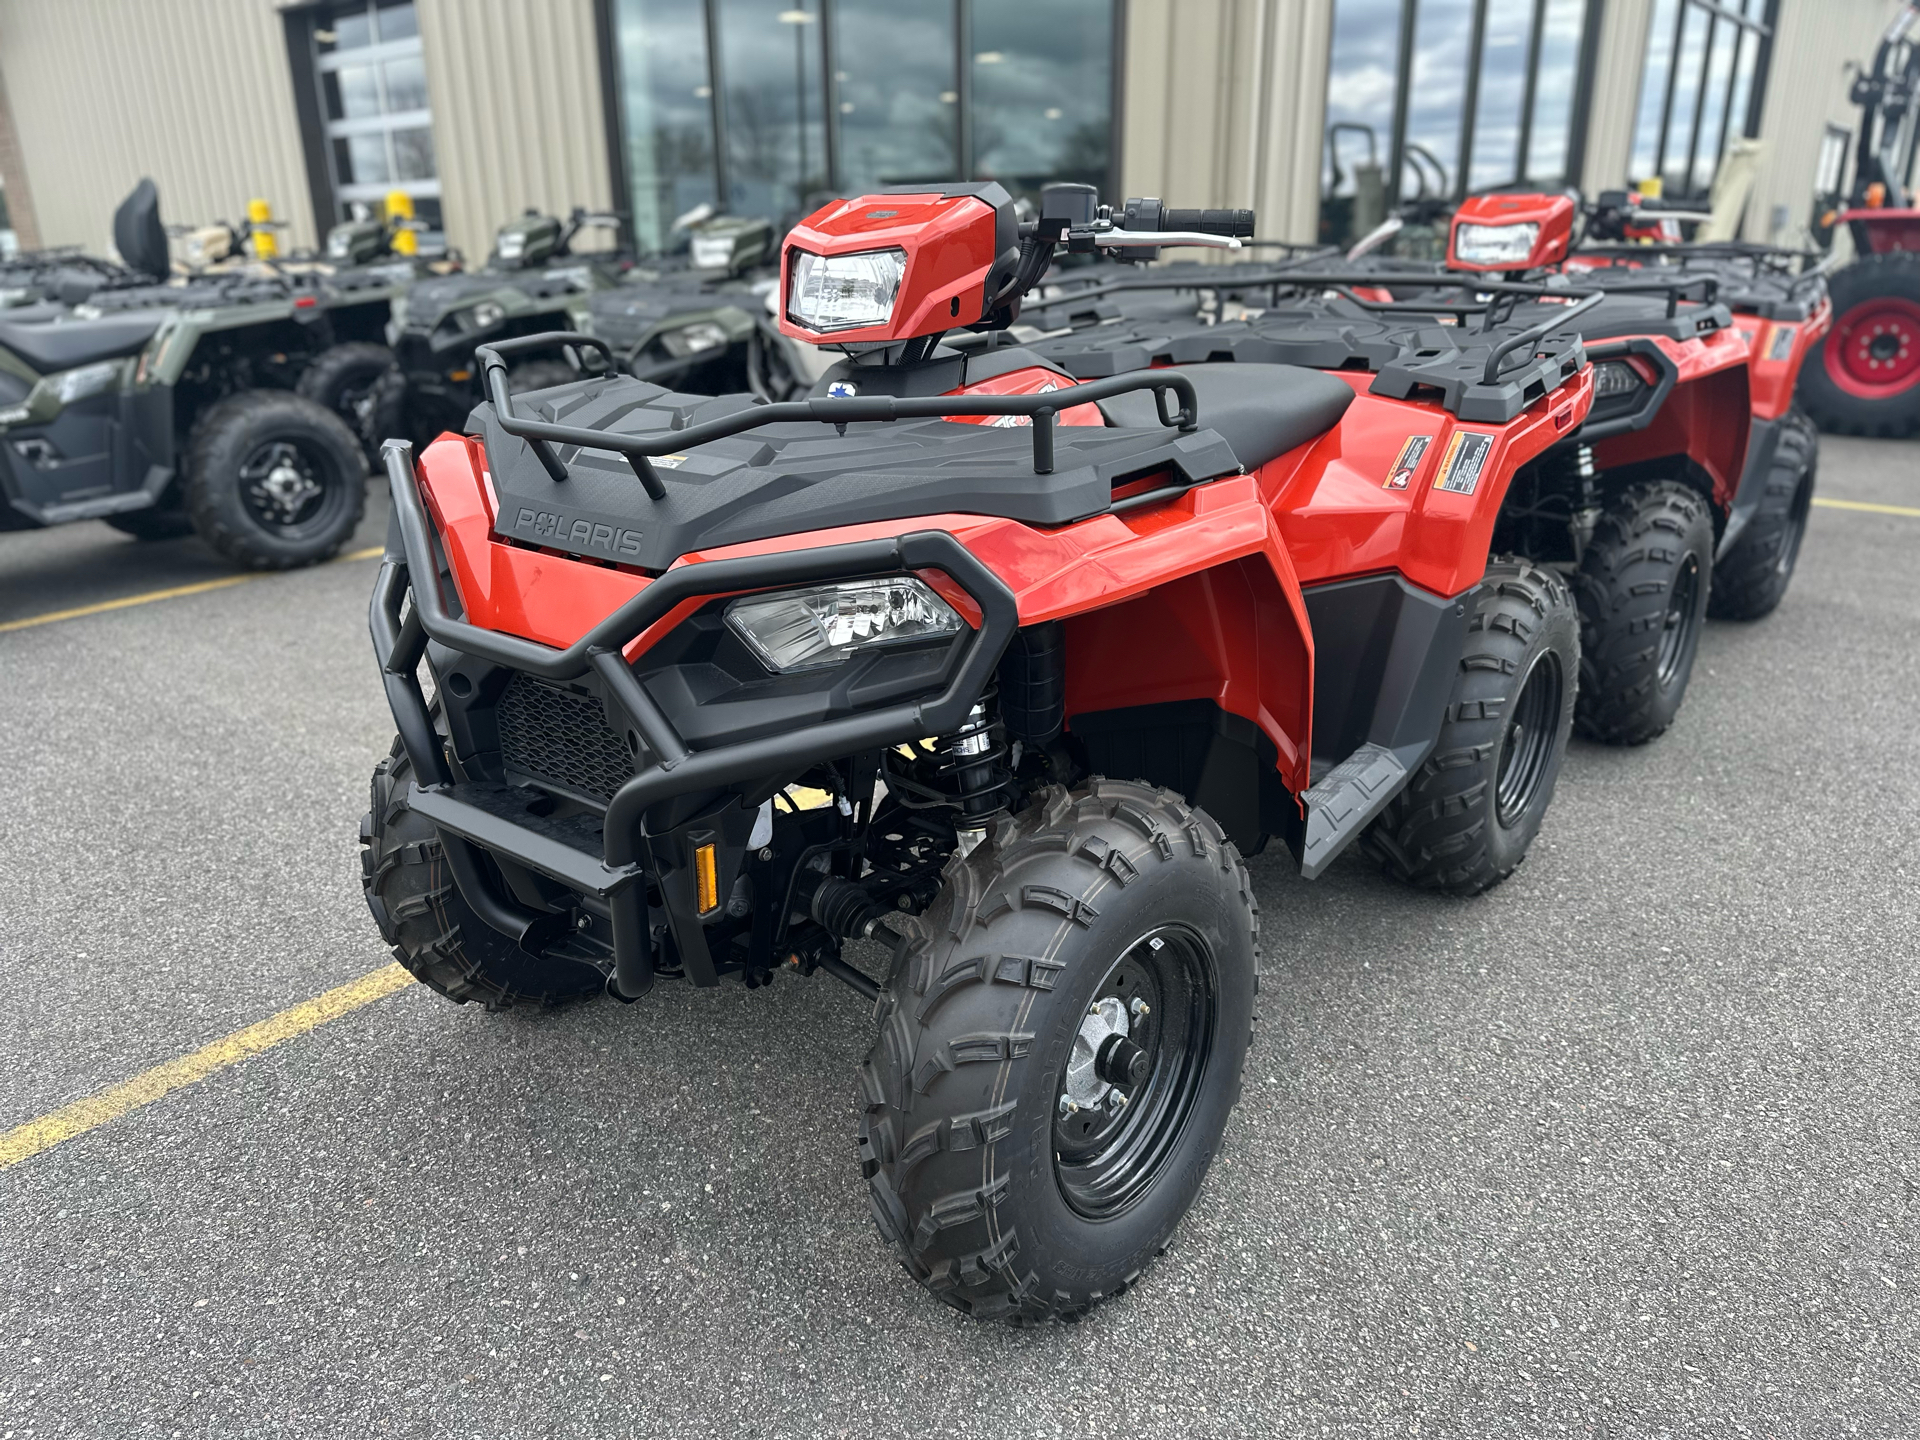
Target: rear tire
[1876, 300]
[997, 1198]
[274, 480]
[1464, 821]
[433, 932]
[346, 379]
[1752, 577]
[1643, 587]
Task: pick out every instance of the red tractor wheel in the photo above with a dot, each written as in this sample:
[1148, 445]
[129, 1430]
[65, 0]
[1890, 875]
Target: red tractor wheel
[1866, 378]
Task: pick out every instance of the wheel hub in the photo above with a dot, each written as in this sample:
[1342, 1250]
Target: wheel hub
[1106, 1027]
[1875, 348]
[280, 485]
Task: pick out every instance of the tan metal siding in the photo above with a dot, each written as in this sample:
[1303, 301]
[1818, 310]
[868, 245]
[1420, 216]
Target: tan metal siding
[1224, 105]
[1816, 42]
[517, 118]
[196, 95]
[1619, 61]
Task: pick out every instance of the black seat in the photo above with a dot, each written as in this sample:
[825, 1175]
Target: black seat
[1262, 411]
[138, 234]
[64, 344]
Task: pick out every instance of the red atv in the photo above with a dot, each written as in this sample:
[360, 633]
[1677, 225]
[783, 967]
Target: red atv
[1006, 680]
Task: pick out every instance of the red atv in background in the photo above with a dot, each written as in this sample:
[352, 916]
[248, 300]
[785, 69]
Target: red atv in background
[1007, 679]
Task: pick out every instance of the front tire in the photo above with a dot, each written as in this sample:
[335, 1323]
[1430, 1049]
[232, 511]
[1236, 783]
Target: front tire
[1643, 587]
[1466, 818]
[347, 379]
[432, 930]
[274, 480]
[1752, 577]
[1003, 1170]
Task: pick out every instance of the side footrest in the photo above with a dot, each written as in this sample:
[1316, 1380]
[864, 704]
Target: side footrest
[497, 818]
[1345, 800]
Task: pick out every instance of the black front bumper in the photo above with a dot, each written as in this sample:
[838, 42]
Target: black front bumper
[490, 816]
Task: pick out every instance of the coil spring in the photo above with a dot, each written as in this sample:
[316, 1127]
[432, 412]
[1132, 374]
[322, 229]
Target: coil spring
[967, 769]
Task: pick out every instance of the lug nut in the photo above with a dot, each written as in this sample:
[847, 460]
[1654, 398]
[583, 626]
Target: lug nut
[1140, 1008]
[1068, 1105]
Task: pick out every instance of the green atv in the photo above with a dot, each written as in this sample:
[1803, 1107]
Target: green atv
[699, 321]
[531, 283]
[165, 409]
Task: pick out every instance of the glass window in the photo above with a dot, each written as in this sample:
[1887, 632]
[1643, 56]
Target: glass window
[1042, 93]
[373, 89]
[397, 21]
[1697, 91]
[1503, 93]
[406, 82]
[896, 112]
[1525, 95]
[666, 113]
[1556, 78]
[775, 111]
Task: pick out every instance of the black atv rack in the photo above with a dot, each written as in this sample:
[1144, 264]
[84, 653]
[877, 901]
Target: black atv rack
[1043, 409]
[489, 815]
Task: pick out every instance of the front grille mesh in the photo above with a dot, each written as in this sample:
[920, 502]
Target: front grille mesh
[561, 738]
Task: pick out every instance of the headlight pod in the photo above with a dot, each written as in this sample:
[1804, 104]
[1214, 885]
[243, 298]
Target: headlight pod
[484, 316]
[1614, 377]
[844, 292]
[89, 380]
[712, 252]
[823, 625]
[692, 339]
[1495, 244]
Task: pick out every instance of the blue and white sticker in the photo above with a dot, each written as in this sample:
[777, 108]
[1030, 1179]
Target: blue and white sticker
[842, 390]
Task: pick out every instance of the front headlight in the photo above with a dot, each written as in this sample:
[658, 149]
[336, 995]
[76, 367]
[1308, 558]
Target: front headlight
[845, 292]
[712, 252]
[1495, 244]
[484, 316]
[1614, 377]
[692, 339]
[806, 629]
[71, 385]
[512, 245]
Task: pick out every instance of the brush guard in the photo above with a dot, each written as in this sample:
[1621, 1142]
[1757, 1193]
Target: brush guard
[481, 816]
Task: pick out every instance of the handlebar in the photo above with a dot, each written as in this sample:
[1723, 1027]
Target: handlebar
[1237, 224]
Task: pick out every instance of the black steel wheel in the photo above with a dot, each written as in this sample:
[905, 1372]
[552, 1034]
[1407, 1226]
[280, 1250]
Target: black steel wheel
[1061, 1043]
[274, 480]
[1527, 744]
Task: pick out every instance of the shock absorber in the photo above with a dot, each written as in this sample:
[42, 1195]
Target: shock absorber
[971, 767]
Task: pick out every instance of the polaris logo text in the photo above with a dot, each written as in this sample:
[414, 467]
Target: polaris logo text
[544, 525]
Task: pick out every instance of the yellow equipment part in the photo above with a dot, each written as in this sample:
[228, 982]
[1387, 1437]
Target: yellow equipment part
[266, 245]
[406, 240]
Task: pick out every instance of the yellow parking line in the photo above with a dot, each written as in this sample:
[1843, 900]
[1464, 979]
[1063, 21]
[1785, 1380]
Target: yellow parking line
[173, 593]
[25, 1141]
[1868, 506]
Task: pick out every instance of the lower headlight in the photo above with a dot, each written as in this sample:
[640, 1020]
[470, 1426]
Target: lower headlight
[1614, 377]
[89, 380]
[712, 252]
[805, 629]
[484, 316]
[845, 292]
[692, 339]
[1494, 244]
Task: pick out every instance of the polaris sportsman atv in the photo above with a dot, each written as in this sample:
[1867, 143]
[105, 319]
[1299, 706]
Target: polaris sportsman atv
[531, 282]
[167, 409]
[1001, 668]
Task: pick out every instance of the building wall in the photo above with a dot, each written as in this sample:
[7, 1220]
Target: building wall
[1812, 50]
[1224, 103]
[1618, 62]
[517, 115]
[196, 95]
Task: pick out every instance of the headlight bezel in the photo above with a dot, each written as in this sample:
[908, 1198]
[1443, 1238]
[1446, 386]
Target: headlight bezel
[1503, 247]
[784, 630]
[823, 314]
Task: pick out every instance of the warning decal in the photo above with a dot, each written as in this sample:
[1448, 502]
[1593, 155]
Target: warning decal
[1466, 457]
[1401, 475]
[1780, 346]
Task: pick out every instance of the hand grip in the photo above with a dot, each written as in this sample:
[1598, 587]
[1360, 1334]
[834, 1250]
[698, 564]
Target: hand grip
[1235, 223]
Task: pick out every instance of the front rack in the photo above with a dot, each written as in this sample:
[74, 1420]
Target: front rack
[1043, 409]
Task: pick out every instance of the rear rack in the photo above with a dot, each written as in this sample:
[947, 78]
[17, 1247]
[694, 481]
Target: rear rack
[1043, 409]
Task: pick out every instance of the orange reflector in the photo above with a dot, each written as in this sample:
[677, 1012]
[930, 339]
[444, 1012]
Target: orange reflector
[706, 879]
[460, 374]
[1876, 195]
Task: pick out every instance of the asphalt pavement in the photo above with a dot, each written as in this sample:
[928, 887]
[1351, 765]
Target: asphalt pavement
[1629, 1146]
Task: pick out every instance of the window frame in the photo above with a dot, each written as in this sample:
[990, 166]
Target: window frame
[1741, 25]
